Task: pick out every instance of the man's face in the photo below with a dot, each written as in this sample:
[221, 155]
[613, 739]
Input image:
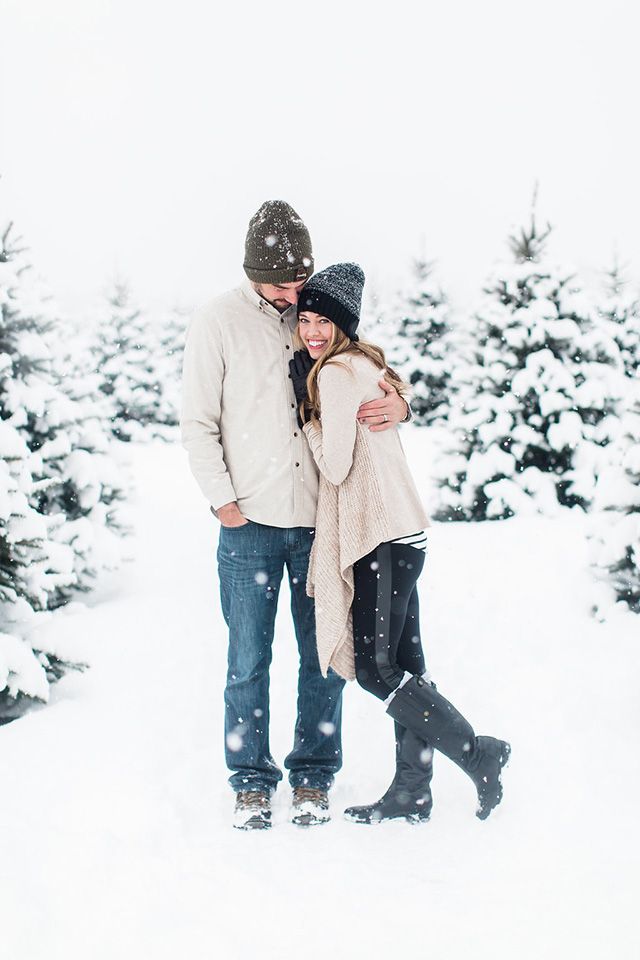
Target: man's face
[280, 295]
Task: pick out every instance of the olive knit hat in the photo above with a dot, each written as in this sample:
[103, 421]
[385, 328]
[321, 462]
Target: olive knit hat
[336, 293]
[278, 245]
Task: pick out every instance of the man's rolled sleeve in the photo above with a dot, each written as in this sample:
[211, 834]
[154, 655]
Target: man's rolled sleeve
[202, 378]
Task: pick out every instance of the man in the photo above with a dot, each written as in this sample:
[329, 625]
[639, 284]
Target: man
[253, 465]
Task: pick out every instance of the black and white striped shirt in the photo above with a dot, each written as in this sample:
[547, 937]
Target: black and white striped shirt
[417, 540]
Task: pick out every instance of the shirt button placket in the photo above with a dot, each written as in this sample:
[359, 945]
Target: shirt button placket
[296, 501]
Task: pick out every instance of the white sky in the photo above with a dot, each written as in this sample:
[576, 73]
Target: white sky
[140, 136]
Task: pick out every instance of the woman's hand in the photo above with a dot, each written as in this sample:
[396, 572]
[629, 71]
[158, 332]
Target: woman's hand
[385, 413]
[299, 367]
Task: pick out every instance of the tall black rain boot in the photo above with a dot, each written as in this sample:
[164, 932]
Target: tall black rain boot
[418, 706]
[409, 795]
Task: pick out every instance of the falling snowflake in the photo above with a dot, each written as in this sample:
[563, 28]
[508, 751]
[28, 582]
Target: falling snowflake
[234, 742]
[261, 578]
[326, 728]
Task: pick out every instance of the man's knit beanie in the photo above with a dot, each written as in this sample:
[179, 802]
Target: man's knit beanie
[278, 245]
[336, 293]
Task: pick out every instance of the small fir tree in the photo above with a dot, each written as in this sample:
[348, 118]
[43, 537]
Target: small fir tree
[172, 331]
[619, 313]
[89, 488]
[127, 358]
[419, 344]
[538, 402]
[615, 528]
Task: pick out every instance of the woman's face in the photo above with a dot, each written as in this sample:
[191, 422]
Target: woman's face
[316, 332]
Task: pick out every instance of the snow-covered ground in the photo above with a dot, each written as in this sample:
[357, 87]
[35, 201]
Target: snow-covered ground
[116, 830]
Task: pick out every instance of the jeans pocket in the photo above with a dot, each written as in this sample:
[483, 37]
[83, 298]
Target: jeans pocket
[242, 526]
[234, 539]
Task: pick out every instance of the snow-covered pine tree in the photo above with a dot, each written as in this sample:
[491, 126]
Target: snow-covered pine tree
[77, 483]
[77, 451]
[38, 567]
[25, 571]
[538, 403]
[126, 356]
[172, 331]
[418, 335]
[619, 312]
[33, 567]
[58, 485]
[615, 527]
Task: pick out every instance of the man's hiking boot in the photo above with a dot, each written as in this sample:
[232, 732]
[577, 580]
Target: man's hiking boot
[252, 811]
[310, 806]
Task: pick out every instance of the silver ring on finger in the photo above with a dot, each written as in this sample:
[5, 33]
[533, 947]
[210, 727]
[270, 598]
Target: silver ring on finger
[384, 418]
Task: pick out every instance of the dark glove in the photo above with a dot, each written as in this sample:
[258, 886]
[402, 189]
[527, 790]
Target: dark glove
[299, 367]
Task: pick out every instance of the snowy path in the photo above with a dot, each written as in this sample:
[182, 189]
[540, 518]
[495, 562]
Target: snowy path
[115, 825]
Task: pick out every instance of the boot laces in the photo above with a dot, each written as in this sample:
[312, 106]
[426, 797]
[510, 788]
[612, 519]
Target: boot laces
[310, 795]
[251, 800]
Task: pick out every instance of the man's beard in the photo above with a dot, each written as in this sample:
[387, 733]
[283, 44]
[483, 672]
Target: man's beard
[280, 305]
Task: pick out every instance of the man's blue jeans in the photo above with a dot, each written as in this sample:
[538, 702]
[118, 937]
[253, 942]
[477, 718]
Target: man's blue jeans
[251, 562]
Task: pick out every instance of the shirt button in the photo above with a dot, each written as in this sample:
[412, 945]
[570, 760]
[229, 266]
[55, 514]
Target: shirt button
[297, 464]
[293, 406]
[287, 347]
[295, 434]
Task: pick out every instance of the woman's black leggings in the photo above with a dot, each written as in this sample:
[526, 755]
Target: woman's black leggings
[386, 622]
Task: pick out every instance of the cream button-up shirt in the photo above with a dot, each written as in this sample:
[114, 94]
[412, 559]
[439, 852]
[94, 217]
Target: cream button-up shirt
[238, 417]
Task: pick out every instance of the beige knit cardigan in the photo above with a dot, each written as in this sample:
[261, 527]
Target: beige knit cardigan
[366, 497]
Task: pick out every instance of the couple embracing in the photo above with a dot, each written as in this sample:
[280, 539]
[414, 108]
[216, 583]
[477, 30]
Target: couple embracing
[291, 425]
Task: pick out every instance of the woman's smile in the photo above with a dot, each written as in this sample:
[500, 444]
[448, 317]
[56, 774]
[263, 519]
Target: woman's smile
[316, 345]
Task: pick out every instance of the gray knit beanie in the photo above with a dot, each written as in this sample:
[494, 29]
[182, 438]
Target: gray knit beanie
[336, 293]
[278, 245]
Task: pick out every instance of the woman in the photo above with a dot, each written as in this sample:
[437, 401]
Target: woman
[369, 551]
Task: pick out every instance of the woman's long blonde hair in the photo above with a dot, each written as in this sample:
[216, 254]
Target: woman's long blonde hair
[341, 345]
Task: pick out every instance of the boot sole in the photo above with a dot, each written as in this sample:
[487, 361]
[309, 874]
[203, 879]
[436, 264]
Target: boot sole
[253, 824]
[308, 820]
[407, 817]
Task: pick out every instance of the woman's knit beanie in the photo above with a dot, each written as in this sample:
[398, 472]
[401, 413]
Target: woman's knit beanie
[278, 246]
[336, 293]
